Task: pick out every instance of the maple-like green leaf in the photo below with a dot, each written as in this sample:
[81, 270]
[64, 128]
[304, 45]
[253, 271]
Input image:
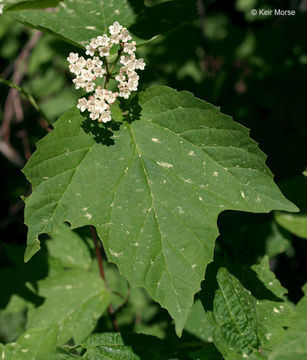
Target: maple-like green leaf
[77, 21]
[80, 20]
[74, 301]
[293, 345]
[155, 194]
[30, 345]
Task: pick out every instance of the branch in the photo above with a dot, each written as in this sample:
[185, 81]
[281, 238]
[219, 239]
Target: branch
[13, 103]
[10, 153]
[102, 275]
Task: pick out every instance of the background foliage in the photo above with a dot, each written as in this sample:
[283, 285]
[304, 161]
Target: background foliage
[254, 68]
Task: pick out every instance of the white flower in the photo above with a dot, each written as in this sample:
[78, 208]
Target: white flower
[94, 43]
[103, 40]
[1, 8]
[115, 38]
[72, 58]
[129, 48]
[120, 78]
[89, 50]
[82, 104]
[140, 64]
[124, 93]
[105, 117]
[125, 35]
[104, 51]
[115, 28]
[126, 59]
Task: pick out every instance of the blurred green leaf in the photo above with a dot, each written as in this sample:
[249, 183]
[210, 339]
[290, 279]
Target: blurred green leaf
[12, 324]
[293, 345]
[273, 311]
[74, 301]
[198, 324]
[70, 247]
[30, 345]
[296, 224]
[295, 190]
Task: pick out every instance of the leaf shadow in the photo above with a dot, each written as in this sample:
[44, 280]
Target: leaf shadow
[146, 346]
[160, 18]
[102, 133]
[247, 277]
[131, 109]
[14, 278]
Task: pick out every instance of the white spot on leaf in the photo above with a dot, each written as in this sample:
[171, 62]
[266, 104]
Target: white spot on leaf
[165, 164]
[115, 254]
[180, 210]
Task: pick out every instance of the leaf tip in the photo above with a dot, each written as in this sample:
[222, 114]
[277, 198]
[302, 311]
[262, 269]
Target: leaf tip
[32, 248]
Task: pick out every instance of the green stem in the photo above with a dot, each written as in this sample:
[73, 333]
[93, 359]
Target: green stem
[120, 51]
[28, 96]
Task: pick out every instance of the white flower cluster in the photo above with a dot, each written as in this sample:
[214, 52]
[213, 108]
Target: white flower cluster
[88, 70]
[1, 7]
[98, 105]
[128, 78]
